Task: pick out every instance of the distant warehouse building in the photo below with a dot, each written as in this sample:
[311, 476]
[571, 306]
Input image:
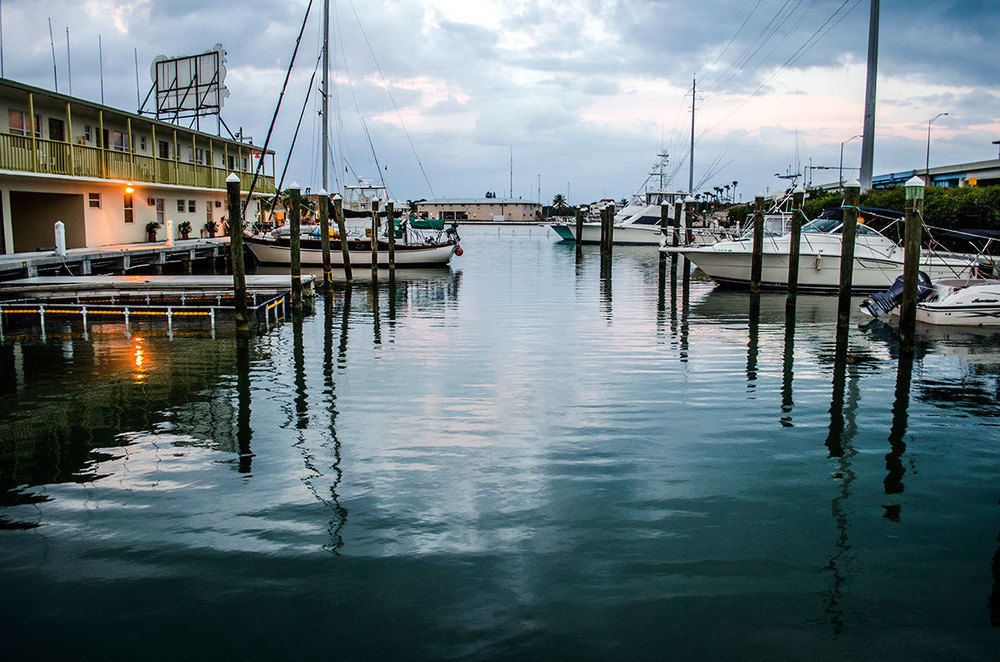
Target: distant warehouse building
[480, 209]
[977, 173]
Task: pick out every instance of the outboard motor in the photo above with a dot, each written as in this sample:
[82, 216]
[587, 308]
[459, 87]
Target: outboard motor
[883, 302]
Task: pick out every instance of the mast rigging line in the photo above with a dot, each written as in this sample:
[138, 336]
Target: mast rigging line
[295, 135]
[277, 107]
[385, 84]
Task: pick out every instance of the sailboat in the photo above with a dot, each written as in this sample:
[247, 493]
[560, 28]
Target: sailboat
[418, 242]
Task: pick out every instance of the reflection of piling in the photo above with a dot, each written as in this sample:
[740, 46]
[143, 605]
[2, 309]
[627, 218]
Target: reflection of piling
[795, 243]
[243, 399]
[295, 243]
[376, 322]
[893, 482]
[345, 320]
[757, 257]
[788, 367]
[390, 231]
[834, 440]
[338, 212]
[911, 262]
[849, 231]
[299, 364]
[374, 239]
[324, 239]
[236, 252]
[753, 340]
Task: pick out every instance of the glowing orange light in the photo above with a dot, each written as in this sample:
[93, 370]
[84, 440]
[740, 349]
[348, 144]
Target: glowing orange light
[129, 189]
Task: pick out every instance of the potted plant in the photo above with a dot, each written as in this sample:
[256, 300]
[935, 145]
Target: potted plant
[211, 227]
[185, 229]
[151, 229]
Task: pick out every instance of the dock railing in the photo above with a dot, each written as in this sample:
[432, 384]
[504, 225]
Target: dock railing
[53, 157]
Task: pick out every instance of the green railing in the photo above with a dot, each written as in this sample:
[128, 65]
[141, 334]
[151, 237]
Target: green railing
[53, 157]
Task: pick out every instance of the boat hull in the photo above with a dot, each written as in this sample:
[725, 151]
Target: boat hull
[269, 251]
[817, 271]
[624, 235]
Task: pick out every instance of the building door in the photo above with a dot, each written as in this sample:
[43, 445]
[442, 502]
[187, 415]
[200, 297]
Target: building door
[33, 216]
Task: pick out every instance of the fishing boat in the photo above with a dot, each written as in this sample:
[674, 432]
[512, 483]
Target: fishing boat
[419, 243]
[878, 260]
[635, 224]
[946, 302]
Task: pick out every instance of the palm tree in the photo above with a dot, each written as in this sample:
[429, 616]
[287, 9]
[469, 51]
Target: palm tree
[559, 202]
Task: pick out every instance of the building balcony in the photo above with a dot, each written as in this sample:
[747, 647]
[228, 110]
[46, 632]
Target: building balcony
[48, 157]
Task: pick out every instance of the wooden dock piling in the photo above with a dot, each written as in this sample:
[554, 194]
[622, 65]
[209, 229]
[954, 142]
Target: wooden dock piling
[236, 252]
[675, 239]
[849, 232]
[374, 241]
[580, 211]
[390, 231]
[795, 242]
[295, 245]
[611, 227]
[323, 200]
[911, 261]
[757, 257]
[338, 212]
[689, 207]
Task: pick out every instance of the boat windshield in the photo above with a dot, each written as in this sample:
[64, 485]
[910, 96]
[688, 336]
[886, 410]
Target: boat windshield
[833, 226]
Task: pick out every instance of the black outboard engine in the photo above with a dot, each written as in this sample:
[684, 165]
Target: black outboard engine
[883, 302]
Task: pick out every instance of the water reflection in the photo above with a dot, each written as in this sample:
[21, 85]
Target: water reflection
[244, 433]
[339, 519]
[788, 367]
[753, 341]
[893, 482]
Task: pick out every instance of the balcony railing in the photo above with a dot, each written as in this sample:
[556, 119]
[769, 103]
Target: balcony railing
[52, 157]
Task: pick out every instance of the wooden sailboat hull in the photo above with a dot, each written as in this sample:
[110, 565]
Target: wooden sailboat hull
[278, 252]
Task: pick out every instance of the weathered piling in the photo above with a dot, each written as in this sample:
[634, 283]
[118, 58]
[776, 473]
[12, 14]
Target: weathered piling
[323, 200]
[911, 261]
[795, 241]
[295, 245]
[580, 211]
[236, 252]
[757, 257]
[607, 220]
[689, 206]
[374, 239]
[664, 230]
[849, 232]
[611, 226]
[678, 210]
[338, 212]
[390, 231]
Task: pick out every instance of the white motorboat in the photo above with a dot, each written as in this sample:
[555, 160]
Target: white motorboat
[945, 302]
[878, 260]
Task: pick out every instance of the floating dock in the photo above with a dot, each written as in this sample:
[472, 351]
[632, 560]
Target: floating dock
[192, 303]
[114, 259]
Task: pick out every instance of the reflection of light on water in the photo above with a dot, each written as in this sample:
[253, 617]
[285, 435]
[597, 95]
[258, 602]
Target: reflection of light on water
[138, 359]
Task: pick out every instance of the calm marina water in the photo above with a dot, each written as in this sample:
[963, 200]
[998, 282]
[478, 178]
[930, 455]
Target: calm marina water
[510, 458]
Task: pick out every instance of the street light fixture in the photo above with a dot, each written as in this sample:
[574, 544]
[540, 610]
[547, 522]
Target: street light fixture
[927, 163]
[841, 173]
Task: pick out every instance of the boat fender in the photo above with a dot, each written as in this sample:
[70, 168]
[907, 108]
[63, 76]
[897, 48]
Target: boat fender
[458, 251]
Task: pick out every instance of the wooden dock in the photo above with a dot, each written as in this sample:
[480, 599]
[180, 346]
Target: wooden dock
[65, 287]
[114, 259]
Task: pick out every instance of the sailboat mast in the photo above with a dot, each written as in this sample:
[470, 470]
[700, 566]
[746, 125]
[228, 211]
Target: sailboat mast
[324, 92]
[694, 87]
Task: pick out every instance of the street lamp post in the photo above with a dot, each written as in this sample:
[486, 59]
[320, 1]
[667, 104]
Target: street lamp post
[927, 163]
[841, 173]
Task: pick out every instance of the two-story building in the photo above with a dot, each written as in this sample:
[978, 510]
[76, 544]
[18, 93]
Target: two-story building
[106, 173]
[481, 209]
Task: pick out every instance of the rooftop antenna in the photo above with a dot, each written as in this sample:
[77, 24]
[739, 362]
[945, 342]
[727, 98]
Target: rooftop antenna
[511, 189]
[539, 188]
[138, 104]
[694, 90]
[868, 139]
[100, 59]
[52, 44]
[69, 63]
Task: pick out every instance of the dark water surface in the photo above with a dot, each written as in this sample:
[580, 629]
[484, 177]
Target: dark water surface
[513, 458]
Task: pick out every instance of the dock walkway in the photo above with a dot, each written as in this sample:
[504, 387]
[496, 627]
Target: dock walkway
[114, 258]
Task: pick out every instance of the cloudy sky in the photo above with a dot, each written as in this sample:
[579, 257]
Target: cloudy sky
[583, 92]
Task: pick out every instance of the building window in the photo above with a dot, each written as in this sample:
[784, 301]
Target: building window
[118, 141]
[142, 143]
[461, 216]
[208, 210]
[164, 149]
[94, 200]
[87, 135]
[56, 129]
[192, 206]
[129, 211]
[180, 206]
[244, 160]
[20, 125]
[161, 211]
[231, 162]
[199, 156]
[218, 203]
[448, 215]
